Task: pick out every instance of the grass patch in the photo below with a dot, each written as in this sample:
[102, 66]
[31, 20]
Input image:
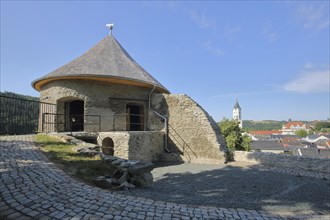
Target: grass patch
[62, 154]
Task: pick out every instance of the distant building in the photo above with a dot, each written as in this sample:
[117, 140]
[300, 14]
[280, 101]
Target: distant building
[269, 146]
[312, 152]
[294, 126]
[237, 114]
[259, 135]
[315, 138]
[321, 141]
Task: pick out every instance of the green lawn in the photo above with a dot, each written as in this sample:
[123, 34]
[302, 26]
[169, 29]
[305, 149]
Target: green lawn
[62, 154]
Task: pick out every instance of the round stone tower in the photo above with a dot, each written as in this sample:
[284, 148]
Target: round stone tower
[106, 91]
[96, 91]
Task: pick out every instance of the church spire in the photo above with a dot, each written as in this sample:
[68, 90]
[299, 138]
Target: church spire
[237, 114]
[237, 105]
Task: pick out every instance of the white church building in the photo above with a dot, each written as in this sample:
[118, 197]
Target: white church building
[237, 114]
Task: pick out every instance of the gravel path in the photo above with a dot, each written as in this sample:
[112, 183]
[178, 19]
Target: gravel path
[238, 186]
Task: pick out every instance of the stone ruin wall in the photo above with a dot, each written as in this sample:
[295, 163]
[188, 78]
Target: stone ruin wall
[192, 132]
[135, 145]
[319, 165]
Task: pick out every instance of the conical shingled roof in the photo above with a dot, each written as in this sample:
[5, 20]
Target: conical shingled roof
[107, 61]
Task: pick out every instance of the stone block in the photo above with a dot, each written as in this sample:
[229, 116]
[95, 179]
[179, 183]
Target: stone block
[140, 167]
[103, 182]
[142, 179]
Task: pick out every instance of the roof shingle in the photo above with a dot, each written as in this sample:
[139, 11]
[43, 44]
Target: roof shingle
[106, 60]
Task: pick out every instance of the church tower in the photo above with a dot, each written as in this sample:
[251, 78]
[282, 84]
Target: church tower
[237, 114]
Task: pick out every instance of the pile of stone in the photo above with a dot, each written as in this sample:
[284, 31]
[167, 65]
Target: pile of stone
[88, 150]
[82, 147]
[128, 174]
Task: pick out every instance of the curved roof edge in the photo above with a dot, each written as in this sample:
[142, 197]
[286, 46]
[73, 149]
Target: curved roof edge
[38, 83]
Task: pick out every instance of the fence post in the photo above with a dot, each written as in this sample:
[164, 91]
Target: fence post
[114, 122]
[99, 123]
[42, 122]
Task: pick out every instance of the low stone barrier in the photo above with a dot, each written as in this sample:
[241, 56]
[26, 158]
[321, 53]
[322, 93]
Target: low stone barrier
[319, 165]
[128, 173]
[135, 145]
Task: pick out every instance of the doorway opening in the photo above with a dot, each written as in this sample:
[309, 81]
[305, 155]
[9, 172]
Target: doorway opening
[135, 117]
[74, 115]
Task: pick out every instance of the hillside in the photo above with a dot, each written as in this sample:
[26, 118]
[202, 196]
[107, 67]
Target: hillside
[19, 96]
[250, 125]
[17, 115]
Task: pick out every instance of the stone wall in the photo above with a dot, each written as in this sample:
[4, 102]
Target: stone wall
[98, 100]
[136, 145]
[320, 165]
[192, 132]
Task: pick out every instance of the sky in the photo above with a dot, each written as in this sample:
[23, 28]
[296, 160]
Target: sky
[273, 56]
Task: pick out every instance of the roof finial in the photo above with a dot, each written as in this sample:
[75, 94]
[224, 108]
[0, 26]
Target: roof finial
[110, 26]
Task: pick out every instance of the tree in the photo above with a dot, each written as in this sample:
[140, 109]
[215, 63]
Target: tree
[233, 140]
[322, 125]
[301, 133]
[233, 135]
[246, 144]
[249, 125]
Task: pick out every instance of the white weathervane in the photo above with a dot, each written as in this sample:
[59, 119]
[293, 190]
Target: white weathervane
[110, 26]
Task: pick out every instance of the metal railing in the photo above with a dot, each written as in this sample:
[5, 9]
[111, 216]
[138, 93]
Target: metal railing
[181, 144]
[26, 116]
[52, 122]
[21, 116]
[128, 122]
[133, 122]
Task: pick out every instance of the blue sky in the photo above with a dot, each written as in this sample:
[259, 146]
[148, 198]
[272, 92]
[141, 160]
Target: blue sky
[272, 56]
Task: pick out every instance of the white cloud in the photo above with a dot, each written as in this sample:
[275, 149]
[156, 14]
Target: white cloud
[208, 46]
[308, 65]
[310, 82]
[312, 16]
[269, 34]
[231, 32]
[200, 19]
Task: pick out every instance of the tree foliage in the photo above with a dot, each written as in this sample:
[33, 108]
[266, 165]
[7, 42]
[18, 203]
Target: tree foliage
[321, 125]
[301, 133]
[233, 135]
[249, 125]
[246, 144]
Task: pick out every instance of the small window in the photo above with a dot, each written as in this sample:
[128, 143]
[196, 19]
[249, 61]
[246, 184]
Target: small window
[108, 146]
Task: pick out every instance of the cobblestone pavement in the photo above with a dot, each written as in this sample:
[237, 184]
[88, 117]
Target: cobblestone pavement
[294, 172]
[34, 188]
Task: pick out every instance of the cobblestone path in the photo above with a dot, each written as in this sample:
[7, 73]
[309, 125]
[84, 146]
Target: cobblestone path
[31, 187]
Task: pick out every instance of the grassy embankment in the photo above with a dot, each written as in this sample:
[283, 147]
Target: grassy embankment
[62, 154]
